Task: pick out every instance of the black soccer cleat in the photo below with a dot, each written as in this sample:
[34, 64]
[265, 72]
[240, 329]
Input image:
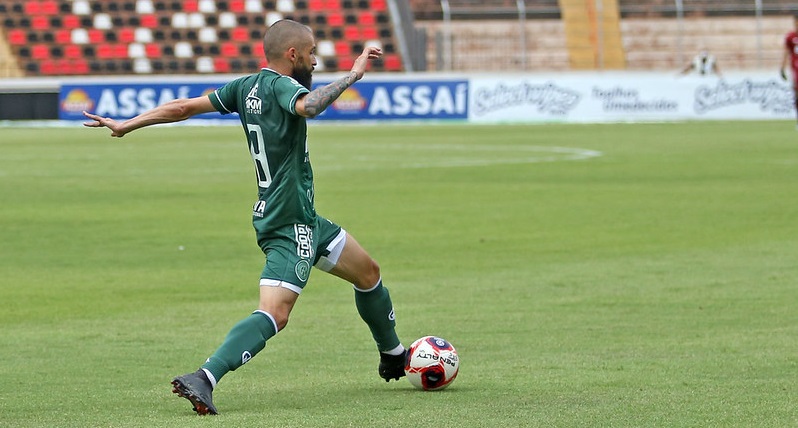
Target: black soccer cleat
[392, 366]
[196, 388]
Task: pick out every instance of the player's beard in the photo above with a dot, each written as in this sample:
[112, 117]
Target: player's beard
[304, 77]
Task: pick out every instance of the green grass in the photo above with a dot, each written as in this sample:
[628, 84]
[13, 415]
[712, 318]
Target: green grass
[653, 285]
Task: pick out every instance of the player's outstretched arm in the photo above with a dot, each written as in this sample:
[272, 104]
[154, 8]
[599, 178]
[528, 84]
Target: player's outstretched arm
[312, 104]
[173, 111]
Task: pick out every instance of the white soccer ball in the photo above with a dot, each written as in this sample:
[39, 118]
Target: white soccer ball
[432, 363]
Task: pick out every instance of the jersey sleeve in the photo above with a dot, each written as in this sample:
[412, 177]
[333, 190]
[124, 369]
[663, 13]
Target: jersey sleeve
[225, 99]
[287, 91]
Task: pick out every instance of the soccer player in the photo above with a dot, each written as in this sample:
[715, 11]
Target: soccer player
[703, 64]
[791, 55]
[273, 106]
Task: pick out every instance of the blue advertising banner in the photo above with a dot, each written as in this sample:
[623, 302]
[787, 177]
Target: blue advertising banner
[375, 100]
[390, 100]
[125, 100]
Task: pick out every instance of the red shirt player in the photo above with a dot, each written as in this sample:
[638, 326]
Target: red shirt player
[791, 54]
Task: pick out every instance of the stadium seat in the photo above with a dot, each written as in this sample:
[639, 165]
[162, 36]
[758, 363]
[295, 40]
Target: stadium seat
[253, 6]
[40, 52]
[149, 21]
[63, 37]
[126, 35]
[40, 23]
[70, 21]
[32, 8]
[352, 33]
[335, 19]
[72, 51]
[378, 5]
[17, 37]
[144, 7]
[153, 50]
[369, 33]
[81, 7]
[342, 48]
[221, 65]
[237, 6]
[392, 62]
[230, 50]
[366, 18]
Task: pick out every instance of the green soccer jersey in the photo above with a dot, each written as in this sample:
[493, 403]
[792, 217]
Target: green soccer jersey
[277, 139]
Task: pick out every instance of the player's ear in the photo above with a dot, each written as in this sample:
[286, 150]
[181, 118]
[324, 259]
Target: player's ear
[291, 54]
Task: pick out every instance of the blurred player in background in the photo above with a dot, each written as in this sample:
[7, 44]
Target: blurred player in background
[791, 56]
[703, 64]
[273, 105]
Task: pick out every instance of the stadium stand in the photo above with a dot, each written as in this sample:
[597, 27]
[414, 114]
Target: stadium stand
[76, 37]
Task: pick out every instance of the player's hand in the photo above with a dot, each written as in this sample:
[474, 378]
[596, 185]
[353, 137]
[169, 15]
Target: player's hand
[107, 122]
[783, 74]
[369, 53]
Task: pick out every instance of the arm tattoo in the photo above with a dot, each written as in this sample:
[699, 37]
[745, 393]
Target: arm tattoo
[321, 98]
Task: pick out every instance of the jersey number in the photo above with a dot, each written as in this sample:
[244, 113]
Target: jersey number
[257, 148]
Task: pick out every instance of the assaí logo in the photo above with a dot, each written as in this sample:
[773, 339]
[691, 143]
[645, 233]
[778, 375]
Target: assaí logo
[771, 96]
[130, 101]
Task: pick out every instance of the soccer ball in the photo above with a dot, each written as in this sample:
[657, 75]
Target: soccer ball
[432, 363]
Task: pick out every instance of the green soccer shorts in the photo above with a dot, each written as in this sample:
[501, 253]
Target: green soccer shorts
[292, 250]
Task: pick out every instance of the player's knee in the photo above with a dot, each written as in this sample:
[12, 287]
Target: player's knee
[370, 275]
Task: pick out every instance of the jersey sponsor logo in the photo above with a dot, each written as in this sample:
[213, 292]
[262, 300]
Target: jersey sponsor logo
[254, 105]
[259, 209]
[392, 315]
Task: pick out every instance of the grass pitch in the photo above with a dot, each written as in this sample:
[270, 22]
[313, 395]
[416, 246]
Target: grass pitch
[590, 275]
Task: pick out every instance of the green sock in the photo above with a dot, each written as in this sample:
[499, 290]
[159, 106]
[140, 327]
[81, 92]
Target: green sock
[244, 340]
[376, 309]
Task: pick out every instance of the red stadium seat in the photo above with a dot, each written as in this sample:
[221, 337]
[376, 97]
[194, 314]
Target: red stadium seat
[316, 5]
[33, 8]
[78, 67]
[190, 5]
[392, 62]
[378, 5]
[49, 7]
[153, 50]
[70, 21]
[230, 50]
[40, 23]
[345, 62]
[17, 37]
[105, 51]
[237, 6]
[369, 33]
[366, 18]
[96, 36]
[352, 33]
[221, 65]
[73, 51]
[63, 37]
[335, 19]
[126, 35]
[332, 4]
[49, 67]
[240, 34]
[120, 50]
[40, 52]
[149, 21]
[342, 48]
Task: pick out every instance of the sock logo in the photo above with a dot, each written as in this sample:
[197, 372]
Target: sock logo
[392, 316]
[246, 356]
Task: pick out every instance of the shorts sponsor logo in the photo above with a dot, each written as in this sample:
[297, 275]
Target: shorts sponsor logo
[245, 356]
[302, 270]
[303, 234]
